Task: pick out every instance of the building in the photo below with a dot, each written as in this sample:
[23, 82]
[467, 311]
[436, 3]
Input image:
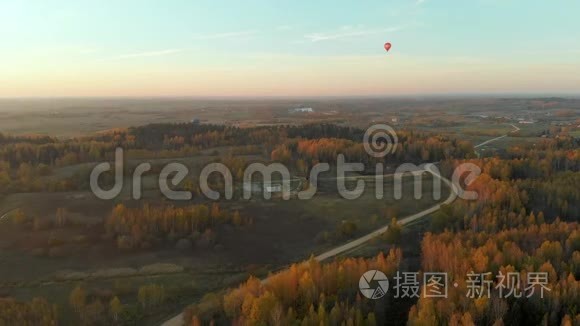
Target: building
[274, 188]
[301, 110]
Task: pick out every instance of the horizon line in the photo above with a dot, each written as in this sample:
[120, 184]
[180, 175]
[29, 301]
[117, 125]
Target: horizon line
[348, 96]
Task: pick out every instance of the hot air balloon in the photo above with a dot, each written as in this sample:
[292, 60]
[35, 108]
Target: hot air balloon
[387, 46]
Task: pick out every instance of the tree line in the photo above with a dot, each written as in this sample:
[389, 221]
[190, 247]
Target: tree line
[150, 226]
[308, 293]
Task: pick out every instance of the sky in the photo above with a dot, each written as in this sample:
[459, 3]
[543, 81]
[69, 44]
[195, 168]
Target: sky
[287, 48]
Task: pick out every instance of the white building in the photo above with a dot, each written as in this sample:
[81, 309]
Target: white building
[274, 188]
[256, 187]
[302, 110]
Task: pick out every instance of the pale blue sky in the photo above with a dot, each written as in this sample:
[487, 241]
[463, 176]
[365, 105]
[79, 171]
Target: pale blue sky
[75, 48]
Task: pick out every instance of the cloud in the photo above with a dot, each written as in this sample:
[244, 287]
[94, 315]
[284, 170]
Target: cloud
[144, 54]
[349, 32]
[419, 2]
[227, 35]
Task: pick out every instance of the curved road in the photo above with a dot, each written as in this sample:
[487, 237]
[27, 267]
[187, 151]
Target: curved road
[406, 220]
[411, 218]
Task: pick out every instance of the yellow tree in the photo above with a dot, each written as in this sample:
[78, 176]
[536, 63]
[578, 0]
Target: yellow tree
[78, 298]
[116, 308]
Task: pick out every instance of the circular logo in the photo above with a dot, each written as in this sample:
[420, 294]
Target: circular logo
[380, 140]
[377, 292]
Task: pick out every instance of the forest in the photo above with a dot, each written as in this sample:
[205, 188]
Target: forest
[524, 221]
